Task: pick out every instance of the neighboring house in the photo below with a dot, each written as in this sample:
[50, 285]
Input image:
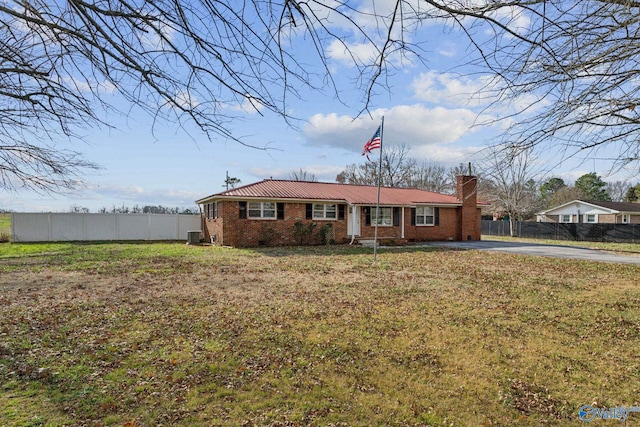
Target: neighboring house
[279, 212]
[591, 212]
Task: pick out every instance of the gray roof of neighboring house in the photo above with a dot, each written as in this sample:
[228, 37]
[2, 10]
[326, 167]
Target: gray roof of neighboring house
[618, 206]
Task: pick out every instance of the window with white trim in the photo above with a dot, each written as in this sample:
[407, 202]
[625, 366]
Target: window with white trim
[325, 211]
[262, 210]
[386, 217]
[590, 218]
[211, 210]
[625, 218]
[565, 218]
[425, 215]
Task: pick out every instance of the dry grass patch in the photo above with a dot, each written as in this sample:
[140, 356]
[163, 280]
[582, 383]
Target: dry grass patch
[178, 335]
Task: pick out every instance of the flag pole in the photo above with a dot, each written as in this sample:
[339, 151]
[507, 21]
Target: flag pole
[375, 238]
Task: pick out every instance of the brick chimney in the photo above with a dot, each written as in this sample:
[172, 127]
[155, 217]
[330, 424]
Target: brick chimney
[469, 218]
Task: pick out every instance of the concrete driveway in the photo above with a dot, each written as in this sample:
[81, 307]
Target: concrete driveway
[555, 251]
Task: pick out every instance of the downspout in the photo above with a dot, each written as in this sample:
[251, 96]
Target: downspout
[353, 224]
[203, 224]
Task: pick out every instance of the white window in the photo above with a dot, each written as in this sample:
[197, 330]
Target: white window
[322, 211]
[425, 215]
[565, 218]
[211, 210]
[265, 210]
[625, 218]
[591, 218]
[385, 218]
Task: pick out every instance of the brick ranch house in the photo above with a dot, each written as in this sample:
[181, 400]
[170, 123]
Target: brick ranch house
[281, 212]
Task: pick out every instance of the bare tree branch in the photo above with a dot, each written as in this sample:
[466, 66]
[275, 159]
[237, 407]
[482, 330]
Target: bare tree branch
[567, 70]
[203, 62]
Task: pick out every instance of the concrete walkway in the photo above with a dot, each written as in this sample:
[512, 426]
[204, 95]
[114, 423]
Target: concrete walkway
[555, 251]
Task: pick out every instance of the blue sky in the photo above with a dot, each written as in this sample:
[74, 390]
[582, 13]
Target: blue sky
[428, 107]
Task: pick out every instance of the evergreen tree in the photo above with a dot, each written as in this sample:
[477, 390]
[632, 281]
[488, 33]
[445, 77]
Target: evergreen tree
[549, 188]
[593, 187]
[633, 194]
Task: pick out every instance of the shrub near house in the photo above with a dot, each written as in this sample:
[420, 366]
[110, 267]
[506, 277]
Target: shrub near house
[281, 212]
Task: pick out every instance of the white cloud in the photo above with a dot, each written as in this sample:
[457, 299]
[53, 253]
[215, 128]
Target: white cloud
[347, 54]
[27, 23]
[373, 20]
[321, 172]
[186, 100]
[89, 85]
[449, 155]
[412, 125]
[516, 18]
[450, 89]
[448, 49]
[133, 194]
[96, 196]
[249, 105]
[156, 36]
[461, 91]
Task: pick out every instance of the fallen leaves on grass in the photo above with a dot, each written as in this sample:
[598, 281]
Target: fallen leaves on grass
[201, 336]
[530, 398]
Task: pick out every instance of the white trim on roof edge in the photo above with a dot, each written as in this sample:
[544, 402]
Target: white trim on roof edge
[581, 202]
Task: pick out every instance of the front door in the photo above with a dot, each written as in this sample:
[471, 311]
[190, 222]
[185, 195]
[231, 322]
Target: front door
[353, 221]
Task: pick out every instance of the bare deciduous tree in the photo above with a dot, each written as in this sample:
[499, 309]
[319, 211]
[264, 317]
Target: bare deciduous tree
[617, 190]
[431, 176]
[397, 166]
[397, 169]
[567, 69]
[302, 175]
[513, 177]
[182, 62]
[362, 174]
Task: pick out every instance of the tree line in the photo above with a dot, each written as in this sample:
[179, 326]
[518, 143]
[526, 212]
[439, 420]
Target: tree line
[137, 209]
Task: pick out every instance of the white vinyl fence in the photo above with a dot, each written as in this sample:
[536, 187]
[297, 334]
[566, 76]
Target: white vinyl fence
[64, 227]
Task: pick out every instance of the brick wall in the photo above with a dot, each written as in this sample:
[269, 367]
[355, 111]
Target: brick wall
[606, 219]
[552, 218]
[231, 230]
[446, 229]
[215, 227]
[455, 223]
[469, 223]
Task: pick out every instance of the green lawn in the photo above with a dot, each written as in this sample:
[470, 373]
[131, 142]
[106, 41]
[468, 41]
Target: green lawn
[172, 334]
[5, 227]
[628, 248]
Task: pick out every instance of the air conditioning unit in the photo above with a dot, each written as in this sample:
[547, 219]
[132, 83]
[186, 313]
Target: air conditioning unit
[193, 237]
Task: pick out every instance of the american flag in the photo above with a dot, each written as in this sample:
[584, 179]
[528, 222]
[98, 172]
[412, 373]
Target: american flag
[372, 144]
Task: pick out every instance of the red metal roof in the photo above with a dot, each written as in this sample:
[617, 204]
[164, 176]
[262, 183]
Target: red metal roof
[352, 194]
